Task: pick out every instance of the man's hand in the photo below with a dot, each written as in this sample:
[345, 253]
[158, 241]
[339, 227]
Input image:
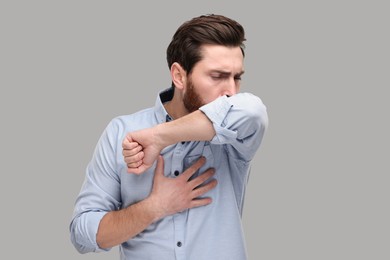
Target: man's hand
[140, 150]
[173, 195]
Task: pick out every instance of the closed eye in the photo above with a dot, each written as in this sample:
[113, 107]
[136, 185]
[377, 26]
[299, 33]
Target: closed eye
[225, 75]
[219, 76]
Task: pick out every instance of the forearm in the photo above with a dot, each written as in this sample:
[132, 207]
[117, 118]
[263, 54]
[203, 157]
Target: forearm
[119, 226]
[192, 127]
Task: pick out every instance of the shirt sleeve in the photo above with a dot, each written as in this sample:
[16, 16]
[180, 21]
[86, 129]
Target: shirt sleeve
[239, 121]
[100, 192]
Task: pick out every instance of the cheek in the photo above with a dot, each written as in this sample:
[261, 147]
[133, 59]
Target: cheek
[207, 91]
[209, 96]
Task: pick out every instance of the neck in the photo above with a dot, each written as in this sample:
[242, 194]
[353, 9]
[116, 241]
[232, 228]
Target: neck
[175, 108]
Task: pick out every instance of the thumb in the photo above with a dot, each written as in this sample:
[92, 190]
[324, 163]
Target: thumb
[159, 167]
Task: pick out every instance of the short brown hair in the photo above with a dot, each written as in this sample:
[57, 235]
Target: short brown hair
[185, 47]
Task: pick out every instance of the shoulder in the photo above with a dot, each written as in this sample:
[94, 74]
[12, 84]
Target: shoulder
[132, 122]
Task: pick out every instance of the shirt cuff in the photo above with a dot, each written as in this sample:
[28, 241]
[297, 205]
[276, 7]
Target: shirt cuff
[217, 111]
[87, 243]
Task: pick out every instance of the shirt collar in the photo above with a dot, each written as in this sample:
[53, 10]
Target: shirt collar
[160, 112]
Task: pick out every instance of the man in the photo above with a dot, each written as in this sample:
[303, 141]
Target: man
[169, 182]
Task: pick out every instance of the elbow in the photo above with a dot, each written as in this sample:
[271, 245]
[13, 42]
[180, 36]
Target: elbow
[257, 113]
[75, 239]
[80, 239]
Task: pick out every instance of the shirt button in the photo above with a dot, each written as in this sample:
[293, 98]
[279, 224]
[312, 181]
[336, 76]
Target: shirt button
[179, 244]
[176, 173]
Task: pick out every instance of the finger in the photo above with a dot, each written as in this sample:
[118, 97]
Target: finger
[193, 168]
[200, 202]
[126, 144]
[202, 178]
[136, 171]
[201, 190]
[132, 151]
[134, 164]
[134, 158]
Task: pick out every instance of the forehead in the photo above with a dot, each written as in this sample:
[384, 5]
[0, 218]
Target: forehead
[218, 57]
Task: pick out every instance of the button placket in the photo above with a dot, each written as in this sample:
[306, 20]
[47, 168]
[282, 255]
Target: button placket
[177, 160]
[179, 220]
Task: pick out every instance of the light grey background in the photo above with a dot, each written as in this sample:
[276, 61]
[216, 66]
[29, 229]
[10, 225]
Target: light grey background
[319, 187]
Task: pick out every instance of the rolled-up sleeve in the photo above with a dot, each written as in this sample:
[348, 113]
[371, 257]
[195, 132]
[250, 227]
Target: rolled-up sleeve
[239, 121]
[100, 193]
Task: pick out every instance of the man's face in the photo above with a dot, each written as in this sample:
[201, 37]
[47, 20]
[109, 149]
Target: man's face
[217, 74]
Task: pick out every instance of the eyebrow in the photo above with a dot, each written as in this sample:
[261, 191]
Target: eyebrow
[225, 73]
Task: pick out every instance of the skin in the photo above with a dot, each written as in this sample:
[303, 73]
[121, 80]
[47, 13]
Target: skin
[168, 196]
[217, 74]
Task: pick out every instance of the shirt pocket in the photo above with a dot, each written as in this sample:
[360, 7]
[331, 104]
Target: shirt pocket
[192, 158]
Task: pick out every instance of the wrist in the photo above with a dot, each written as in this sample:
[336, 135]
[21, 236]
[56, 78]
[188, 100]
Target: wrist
[154, 209]
[162, 139]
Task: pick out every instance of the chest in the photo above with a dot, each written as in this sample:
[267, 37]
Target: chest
[177, 158]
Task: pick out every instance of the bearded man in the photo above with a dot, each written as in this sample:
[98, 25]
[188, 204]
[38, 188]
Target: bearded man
[168, 182]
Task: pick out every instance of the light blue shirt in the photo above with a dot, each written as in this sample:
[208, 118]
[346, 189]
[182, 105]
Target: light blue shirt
[204, 233]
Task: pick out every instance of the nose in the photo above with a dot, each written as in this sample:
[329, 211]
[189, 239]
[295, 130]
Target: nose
[231, 87]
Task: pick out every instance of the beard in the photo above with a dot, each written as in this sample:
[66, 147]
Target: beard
[191, 99]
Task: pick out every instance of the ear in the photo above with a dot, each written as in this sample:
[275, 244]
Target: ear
[178, 75]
